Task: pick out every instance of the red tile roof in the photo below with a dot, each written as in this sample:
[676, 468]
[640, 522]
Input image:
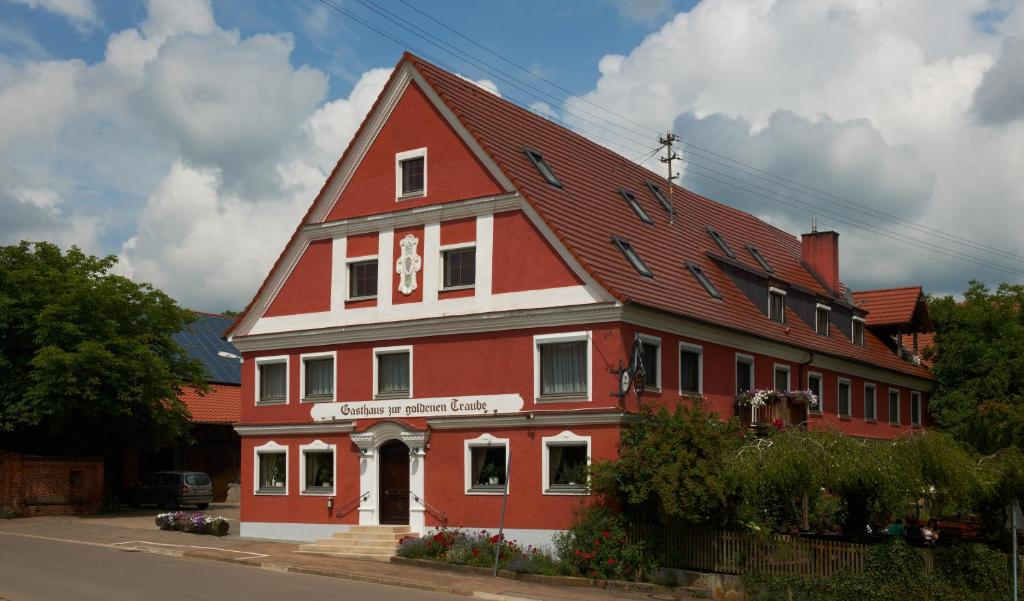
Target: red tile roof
[890, 306]
[222, 405]
[588, 211]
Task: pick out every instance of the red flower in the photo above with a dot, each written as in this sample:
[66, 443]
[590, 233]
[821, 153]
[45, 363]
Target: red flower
[438, 537]
[495, 539]
[606, 534]
[611, 561]
[476, 552]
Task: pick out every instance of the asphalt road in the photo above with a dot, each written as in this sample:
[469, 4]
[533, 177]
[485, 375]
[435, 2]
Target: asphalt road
[43, 570]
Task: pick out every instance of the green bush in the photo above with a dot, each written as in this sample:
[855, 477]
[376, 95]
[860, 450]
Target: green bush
[596, 547]
[975, 567]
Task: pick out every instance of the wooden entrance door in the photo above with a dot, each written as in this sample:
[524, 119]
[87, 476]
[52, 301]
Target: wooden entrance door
[394, 483]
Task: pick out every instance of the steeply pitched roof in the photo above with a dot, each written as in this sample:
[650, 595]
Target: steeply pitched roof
[203, 341]
[587, 211]
[222, 405]
[890, 306]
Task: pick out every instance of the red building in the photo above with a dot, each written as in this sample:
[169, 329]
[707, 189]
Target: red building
[452, 309]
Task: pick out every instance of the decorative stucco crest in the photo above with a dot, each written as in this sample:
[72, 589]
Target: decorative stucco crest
[408, 264]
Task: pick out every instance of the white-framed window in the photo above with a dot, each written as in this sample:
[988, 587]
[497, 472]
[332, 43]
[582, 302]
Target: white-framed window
[317, 375]
[822, 314]
[270, 469]
[566, 464]
[857, 335]
[781, 377]
[392, 372]
[870, 403]
[894, 405]
[652, 361]
[486, 465]
[562, 366]
[318, 468]
[915, 408]
[744, 373]
[362, 277]
[411, 174]
[777, 304]
[691, 369]
[843, 397]
[814, 384]
[272, 380]
[458, 266]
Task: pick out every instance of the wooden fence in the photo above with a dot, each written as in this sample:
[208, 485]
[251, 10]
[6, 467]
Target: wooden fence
[708, 550]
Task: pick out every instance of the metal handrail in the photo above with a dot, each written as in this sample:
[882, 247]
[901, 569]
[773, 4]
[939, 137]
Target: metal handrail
[437, 513]
[343, 509]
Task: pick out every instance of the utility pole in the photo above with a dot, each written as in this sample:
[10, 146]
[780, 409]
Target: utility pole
[670, 155]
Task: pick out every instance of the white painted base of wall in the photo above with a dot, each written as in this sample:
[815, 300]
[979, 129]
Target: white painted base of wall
[289, 530]
[522, 536]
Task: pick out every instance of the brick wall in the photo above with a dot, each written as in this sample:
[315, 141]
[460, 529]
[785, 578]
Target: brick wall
[35, 485]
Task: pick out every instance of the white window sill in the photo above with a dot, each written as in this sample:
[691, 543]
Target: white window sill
[498, 490]
[356, 299]
[392, 396]
[329, 399]
[454, 288]
[568, 492]
[582, 398]
[272, 493]
[317, 493]
[273, 402]
[408, 195]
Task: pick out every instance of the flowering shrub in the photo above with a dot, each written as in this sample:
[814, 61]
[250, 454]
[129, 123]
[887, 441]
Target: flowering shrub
[596, 547]
[760, 398]
[478, 549]
[196, 522]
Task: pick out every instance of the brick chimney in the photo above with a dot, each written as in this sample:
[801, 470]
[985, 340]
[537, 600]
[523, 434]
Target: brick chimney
[821, 252]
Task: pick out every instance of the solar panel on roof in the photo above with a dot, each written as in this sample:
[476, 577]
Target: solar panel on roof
[202, 341]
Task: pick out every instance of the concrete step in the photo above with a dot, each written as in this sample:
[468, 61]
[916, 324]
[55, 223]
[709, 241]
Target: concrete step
[353, 536]
[359, 542]
[348, 555]
[402, 528]
[389, 551]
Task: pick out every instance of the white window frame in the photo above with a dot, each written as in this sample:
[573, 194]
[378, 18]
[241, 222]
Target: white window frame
[656, 342]
[874, 388]
[269, 448]
[748, 360]
[782, 293]
[863, 331]
[405, 156]
[440, 272]
[317, 446]
[821, 391]
[828, 326]
[302, 376]
[541, 339]
[390, 350]
[899, 406]
[482, 442]
[849, 397]
[915, 396]
[565, 438]
[789, 375]
[693, 348]
[286, 359]
[348, 277]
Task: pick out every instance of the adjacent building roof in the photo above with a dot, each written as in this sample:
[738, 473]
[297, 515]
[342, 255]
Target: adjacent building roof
[222, 405]
[203, 341]
[890, 306]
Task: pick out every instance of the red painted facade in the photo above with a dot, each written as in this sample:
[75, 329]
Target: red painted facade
[309, 288]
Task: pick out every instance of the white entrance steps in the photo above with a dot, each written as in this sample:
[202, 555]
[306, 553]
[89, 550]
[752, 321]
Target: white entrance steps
[361, 542]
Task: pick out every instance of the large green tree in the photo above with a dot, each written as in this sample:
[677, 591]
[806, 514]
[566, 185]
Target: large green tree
[87, 361]
[978, 359]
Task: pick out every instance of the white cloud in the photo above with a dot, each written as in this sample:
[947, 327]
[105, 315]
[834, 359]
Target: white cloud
[882, 90]
[81, 13]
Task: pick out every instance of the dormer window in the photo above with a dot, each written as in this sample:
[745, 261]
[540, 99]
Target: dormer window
[858, 330]
[822, 313]
[703, 279]
[660, 197]
[411, 173]
[632, 257]
[720, 241]
[635, 205]
[542, 166]
[777, 305]
[760, 260]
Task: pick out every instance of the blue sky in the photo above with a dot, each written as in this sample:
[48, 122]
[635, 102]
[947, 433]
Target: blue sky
[188, 137]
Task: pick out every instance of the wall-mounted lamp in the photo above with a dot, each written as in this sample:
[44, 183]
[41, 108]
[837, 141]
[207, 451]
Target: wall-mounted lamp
[330, 503]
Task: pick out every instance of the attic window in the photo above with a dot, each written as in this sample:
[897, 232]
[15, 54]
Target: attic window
[703, 279]
[632, 257]
[760, 260]
[660, 196]
[720, 241]
[632, 202]
[858, 330]
[821, 318]
[777, 305]
[542, 166]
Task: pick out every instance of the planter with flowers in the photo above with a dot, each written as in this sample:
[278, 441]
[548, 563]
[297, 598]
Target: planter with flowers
[195, 522]
[773, 406]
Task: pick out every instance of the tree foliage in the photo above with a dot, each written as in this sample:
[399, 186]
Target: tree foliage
[87, 360]
[978, 359]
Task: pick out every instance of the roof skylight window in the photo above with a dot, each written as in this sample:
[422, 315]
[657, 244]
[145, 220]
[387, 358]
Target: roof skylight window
[632, 201]
[760, 260]
[720, 241]
[632, 257]
[660, 196]
[542, 166]
[703, 279]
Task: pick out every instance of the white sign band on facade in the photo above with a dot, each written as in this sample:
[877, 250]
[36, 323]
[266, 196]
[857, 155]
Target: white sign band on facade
[487, 404]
